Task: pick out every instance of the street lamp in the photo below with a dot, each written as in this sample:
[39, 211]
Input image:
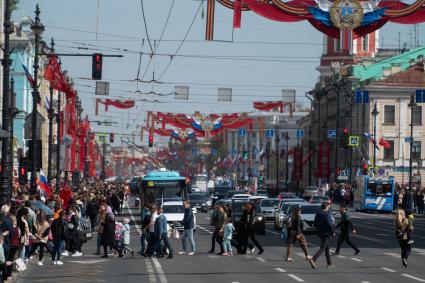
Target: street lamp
[412, 105]
[51, 116]
[4, 177]
[374, 113]
[286, 137]
[37, 28]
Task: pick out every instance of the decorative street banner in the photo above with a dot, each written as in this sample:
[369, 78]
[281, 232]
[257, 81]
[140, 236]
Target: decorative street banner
[121, 104]
[329, 17]
[324, 170]
[298, 164]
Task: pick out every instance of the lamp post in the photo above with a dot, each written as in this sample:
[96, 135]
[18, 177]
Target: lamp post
[51, 116]
[286, 137]
[277, 141]
[4, 177]
[13, 113]
[374, 114]
[58, 143]
[412, 105]
[37, 28]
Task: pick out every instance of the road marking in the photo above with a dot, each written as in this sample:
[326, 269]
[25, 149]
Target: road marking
[159, 270]
[413, 277]
[392, 254]
[369, 239]
[151, 273]
[204, 229]
[418, 250]
[87, 261]
[356, 259]
[296, 278]
[341, 256]
[280, 269]
[273, 232]
[388, 269]
[261, 259]
[364, 281]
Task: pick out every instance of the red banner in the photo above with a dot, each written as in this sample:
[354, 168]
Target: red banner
[298, 164]
[55, 76]
[324, 170]
[237, 13]
[269, 105]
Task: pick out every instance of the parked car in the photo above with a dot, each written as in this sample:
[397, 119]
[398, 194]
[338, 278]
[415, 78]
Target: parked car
[201, 201]
[310, 191]
[241, 196]
[281, 213]
[174, 212]
[268, 207]
[262, 193]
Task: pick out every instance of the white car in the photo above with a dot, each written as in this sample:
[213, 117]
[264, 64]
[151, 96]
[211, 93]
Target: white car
[281, 212]
[308, 213]
[174, 212]
[310, 191]
[241, 196]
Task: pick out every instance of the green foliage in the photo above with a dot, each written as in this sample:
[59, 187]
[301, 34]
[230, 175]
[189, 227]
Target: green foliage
[13, 5]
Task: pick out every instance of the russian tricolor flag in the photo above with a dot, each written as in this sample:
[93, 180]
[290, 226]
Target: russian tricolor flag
[43, 185]
[29, 77]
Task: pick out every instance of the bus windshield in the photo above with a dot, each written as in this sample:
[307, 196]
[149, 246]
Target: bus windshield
[157, 190]
[379, 189]
[201, 178]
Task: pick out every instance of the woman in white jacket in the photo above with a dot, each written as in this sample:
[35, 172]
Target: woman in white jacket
[125, 231]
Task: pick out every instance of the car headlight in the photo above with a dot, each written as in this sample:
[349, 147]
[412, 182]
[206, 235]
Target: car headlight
[208, 202]
[259, 218]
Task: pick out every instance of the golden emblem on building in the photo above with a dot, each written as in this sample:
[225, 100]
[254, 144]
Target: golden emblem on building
[346, 14]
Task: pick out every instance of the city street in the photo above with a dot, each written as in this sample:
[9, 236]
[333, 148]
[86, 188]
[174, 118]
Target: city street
[378, 261]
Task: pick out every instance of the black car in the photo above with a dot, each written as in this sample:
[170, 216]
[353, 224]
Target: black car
[237, 207]
[134, 184]
[201, 201]
[220, 192]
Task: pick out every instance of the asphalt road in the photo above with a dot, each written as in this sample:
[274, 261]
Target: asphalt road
[378, 261]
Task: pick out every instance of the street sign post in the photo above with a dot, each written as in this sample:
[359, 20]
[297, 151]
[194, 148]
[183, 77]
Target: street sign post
[361, 96]
[269, 133]
[331, 134]
[242, 132]
[408, 139]
[354, 141]
[300, 133]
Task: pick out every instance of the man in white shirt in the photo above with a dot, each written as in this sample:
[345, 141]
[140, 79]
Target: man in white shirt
[151, 229]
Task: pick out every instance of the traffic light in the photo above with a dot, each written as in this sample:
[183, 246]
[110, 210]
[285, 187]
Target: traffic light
[111, 137]
[97, 66]
[261, 177]
[150, 140]
[245, 155]
[345, 136]
[365, 167]
[23, 171]
[338, 171]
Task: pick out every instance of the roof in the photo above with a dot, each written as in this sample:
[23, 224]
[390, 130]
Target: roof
[412, 77]
[163, 175]
[376, 71]
[172, 203]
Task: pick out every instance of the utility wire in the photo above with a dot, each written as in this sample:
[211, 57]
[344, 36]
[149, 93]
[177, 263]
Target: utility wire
[145, 25]
[182, 42]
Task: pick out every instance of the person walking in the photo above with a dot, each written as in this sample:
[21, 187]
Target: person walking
[161, 235]
[296, 235]
[58, 233]
[146, 221]
[41, 233]
[151, 230]
[217, 235]
[108, 232]
[402, 229]
[346, 227]
[92, 211]
[125, 231]
[188, 226]
[324, 225]
[73, 224]
[227, 237]
[250, 225]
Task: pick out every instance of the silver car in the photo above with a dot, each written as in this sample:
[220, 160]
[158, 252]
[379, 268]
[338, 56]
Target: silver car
[281, 214]
[310, 191]
[268, 207]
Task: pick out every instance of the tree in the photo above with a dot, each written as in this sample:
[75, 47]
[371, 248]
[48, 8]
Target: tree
[13, 4]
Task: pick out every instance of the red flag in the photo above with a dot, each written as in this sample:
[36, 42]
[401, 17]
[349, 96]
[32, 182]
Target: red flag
[54, 75]
[384, 143]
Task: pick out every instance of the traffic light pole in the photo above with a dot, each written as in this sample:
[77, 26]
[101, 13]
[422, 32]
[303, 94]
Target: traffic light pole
[51, 115]
[277, 140]
[58, 142]
[13, 113]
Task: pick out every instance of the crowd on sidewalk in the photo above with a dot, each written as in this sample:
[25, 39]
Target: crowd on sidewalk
[33, 223]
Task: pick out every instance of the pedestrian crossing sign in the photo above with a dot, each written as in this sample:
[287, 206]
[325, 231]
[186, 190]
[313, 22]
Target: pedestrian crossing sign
[354, 141]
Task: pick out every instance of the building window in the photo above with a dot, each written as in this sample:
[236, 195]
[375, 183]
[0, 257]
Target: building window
[337, 45]
[389, 114]
[417, 115]
[416, 150]
[365, 43]
[389, 152]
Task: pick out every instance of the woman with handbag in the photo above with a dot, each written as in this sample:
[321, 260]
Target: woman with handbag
[296, 235]
[41, 233]
[402, 230]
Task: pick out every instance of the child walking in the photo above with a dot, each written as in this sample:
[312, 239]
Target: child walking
[125, 230]
[227, 238]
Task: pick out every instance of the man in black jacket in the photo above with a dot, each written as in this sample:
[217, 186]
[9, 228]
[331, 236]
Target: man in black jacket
[219, 226]
[188, 226]
[324, 225]
[346, 226]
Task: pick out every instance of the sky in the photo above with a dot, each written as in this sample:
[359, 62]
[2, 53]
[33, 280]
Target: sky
[271, 55]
